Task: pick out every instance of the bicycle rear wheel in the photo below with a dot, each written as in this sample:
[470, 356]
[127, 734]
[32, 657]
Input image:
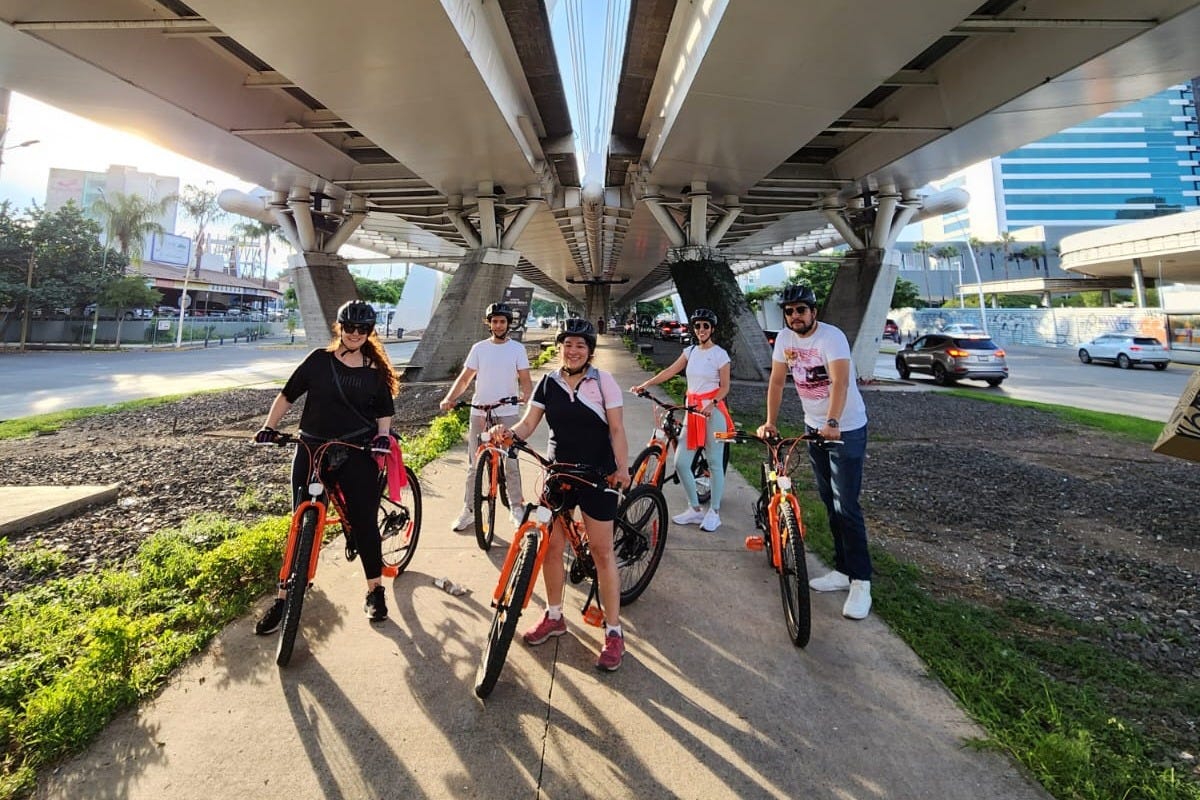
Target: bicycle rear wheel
[297, 585]
[645, 466]
[485, 500]
[793, 578]
[400, 521]
[639, 536]
[508, 612]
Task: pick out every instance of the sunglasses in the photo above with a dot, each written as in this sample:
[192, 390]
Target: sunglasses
[351, 327]
[792, 311]
[701, 326]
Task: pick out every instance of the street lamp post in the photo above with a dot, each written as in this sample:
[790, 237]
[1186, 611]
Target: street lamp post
[103, 272]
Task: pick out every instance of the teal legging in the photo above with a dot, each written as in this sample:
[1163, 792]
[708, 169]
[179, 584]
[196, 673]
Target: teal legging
[714, 450]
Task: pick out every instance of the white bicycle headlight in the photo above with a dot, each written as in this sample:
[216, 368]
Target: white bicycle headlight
[544, 515]
[784, 483]
[316, 489]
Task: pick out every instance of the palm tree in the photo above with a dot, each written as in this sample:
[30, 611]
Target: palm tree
[1006, 242]
[129, 218]
[263, 231]
[946, 253]
[200, 204]
[923, 247]
[1033, 252]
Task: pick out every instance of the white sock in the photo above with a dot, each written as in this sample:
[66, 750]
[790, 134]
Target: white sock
[611, 629]
[554, 612]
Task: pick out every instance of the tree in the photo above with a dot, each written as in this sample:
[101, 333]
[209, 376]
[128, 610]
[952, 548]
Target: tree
[128, 292]
[264, 232]
[906, 295]
[817, 275]
[383, 292]
[922, 248]
[200, 204]
[947, 253]
[1033, 252]
[1006, 245]
[129, 218]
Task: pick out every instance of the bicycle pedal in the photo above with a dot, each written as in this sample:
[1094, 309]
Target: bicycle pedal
[593, 616]
[755, 543]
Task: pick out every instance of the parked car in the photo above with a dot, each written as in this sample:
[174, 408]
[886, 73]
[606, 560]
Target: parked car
[960, 329]
[1125, 350]
[952, 358]
[107, 312]
[891, 331]
[668, 329]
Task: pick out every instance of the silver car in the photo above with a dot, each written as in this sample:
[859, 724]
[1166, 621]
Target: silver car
[1125, 350]
[949, 358]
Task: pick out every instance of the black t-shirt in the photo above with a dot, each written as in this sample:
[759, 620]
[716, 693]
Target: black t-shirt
[578, 435]
[326, 414]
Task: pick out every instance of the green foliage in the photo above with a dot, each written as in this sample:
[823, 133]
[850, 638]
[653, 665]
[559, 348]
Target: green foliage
[49, 423]
[906, 294]
[444, 432]
[385, 292]
[129, 219]
[200, 205]
[818, 275]
[129, 292]
[547, 355]
[756, 297]
[38, 560]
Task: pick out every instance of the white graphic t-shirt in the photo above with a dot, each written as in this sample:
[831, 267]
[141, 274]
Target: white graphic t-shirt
[807, 359]
[496, 368]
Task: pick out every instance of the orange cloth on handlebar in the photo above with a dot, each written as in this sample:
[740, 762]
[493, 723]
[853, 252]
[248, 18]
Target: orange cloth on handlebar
[394, 461]
[697, 424]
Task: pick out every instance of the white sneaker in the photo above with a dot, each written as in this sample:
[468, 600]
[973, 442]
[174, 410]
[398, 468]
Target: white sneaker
[712, 521]
[689, 517]
[833, 581]
[858, 604]
[516, 514]
[464, 521]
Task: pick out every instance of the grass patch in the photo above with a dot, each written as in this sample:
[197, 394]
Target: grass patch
[49, 423]
[1136, 428]
[1044, 686]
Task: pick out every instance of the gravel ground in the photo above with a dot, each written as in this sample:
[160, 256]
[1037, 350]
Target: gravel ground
[993, 502]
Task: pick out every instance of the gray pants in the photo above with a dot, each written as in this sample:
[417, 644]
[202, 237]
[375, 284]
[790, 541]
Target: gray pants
[512, 472]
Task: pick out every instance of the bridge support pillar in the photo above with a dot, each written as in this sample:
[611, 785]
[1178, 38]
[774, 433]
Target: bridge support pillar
[706, 281]
[323, 282]
[1139, 283]
[596, 297]
[858, 303]
[457, 322]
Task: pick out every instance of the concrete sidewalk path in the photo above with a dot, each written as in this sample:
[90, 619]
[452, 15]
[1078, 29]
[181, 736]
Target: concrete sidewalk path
[712, 701]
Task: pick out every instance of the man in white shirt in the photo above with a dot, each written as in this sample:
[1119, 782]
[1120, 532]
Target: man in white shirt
[500, 368]
[818, 357]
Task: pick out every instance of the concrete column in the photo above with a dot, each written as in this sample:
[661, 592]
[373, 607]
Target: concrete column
[596, 298]
[323, 282]
[457, 323]
[1106, 298]
[1139, 284]
[858, 304]
[709, 283]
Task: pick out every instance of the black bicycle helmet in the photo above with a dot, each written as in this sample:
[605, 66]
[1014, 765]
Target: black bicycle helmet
[356, 312]
[703, 315]
[578, 327]
[503, 309]
[797, 293]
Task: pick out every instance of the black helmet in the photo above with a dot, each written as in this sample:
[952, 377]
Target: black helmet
[578, 327]
[797, 293]
[502, 309]
[356, 312]
[703, 315]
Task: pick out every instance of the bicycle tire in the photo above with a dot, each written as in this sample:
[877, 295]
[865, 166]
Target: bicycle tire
[702, 477]
[297, 585]
[793, 579]
[645, 466]
[639, 537]
[508, 612]
[485, 501]
[400, 521]
[502, 484]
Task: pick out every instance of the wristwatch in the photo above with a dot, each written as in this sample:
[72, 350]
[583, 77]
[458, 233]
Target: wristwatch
[832, 422]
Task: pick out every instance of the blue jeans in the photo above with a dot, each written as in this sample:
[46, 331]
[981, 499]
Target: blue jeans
[838, 473]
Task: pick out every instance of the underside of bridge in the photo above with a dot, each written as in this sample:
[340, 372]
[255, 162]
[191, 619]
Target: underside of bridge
[743, 133]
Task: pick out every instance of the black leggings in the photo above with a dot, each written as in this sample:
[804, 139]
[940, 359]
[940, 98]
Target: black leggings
[358, 481]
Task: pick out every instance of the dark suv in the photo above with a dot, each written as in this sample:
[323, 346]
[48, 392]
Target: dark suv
[949, 358]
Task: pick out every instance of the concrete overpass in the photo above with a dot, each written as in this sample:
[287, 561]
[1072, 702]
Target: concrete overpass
[743, 131]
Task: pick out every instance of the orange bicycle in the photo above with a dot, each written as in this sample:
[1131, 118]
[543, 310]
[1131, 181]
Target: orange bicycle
[777, 515]
[650, 466]
[639, 536]
[490, 482]
[399, 528]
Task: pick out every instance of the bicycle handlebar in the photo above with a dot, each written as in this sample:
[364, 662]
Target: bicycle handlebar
[668, 406]
[503, 401]
[582, 473]
[282, 439]
[741, 436]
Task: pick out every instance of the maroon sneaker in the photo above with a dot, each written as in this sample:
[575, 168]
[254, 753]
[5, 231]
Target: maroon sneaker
[610, 656]
[544, 630]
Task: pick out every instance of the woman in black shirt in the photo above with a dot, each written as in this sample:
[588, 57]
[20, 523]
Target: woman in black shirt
[349, 386]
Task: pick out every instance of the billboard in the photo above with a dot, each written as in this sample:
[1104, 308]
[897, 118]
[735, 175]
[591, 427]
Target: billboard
[519, 298]
[167, 248]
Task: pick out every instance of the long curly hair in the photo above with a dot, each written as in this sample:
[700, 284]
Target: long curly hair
[377, 356]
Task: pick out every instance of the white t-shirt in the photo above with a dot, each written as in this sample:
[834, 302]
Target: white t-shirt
[704, 368]
[807, 359]
[496, 367]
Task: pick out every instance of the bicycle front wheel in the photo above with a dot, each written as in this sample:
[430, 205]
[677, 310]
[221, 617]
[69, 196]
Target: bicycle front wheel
[508, 612]
[297, 585]
[793, 578]
[639, 536]
[485, 499]
[400, 521]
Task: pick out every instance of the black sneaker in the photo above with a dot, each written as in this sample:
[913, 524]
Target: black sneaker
[351, 552]
[376, 605]
[269, 622]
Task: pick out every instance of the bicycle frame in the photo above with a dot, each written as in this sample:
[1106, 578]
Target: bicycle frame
[485, 448]
[316, 489]
[776, 486]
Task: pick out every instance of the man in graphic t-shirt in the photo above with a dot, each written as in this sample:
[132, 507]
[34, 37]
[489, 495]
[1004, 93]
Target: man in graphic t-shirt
[817, 356]
[500, 368]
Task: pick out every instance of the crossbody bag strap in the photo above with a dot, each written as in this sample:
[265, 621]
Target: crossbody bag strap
[337, 383]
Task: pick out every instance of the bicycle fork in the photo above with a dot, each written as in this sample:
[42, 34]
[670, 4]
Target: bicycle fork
[294, 537]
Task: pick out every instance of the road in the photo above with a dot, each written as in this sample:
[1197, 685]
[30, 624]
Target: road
[1055, 375]
[42, 382]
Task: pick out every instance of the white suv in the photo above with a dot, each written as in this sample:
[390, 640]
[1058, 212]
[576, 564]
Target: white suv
[1125, 350]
